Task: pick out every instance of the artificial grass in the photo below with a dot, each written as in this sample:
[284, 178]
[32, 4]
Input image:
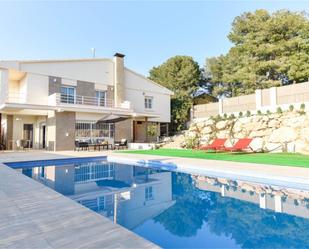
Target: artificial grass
[281, 159]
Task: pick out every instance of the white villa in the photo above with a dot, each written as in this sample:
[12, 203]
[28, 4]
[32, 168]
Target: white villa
[52, 103]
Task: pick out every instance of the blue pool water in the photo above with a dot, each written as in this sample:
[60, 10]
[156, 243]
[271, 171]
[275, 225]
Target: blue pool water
[178, 210]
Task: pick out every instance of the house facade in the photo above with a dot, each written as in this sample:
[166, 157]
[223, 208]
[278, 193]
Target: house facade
[52, 103]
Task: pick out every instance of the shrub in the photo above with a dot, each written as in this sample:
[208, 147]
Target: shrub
[259, 112]
[217, 118]
[248, 113]
[225, 115]
[268, 112]
[232, 116]
[291, 108]
[240, 114]
[152, 130]
[279, 110]
[302, 106]
[192, 142]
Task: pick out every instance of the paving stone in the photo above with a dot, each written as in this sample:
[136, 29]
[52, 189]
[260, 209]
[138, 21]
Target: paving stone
[34, 216]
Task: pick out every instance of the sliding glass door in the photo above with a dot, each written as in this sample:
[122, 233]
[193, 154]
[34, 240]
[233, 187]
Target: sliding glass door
[101, 98]
[67, 95]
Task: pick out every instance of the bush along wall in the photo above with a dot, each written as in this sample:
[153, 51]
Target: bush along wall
[283, 131]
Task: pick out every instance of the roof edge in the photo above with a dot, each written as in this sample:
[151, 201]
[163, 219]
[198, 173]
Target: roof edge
[155, 83]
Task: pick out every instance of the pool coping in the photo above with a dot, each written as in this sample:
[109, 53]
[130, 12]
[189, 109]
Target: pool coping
[35, 216]
[214, 168]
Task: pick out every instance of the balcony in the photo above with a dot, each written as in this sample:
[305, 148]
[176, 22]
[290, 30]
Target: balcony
[61, 101]
[58, 99]
[15, 97]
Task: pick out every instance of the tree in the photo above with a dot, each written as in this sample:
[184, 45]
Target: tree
[180, 74]
[269, 50]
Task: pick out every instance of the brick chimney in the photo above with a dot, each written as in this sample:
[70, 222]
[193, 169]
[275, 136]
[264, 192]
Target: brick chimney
[119, 79]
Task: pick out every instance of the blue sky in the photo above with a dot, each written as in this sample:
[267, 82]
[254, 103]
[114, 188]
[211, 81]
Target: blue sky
[146, 32]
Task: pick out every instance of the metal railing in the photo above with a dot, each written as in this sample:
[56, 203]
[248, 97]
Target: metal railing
[64, 99]
[83, 100]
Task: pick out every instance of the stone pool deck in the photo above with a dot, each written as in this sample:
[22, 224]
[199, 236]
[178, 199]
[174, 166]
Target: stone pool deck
[34, 216]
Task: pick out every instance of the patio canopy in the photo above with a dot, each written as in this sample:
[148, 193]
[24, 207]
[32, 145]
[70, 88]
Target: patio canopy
[111, 118]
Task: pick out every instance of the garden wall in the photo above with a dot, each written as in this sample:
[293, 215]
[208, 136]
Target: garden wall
[263, 100]
[273, 132]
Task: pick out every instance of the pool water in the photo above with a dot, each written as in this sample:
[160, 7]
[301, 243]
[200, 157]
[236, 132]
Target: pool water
[178, 210]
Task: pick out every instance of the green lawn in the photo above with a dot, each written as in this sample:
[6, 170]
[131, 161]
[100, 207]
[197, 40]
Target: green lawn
[283, 159]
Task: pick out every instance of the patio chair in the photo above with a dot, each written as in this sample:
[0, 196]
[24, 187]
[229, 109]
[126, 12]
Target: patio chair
[216, 144]
[123, 143]
[81, 146]
[2, 146]
[242, 144]
[21, 144]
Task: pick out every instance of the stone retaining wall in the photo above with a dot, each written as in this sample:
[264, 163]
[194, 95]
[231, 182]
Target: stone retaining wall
[276, 132]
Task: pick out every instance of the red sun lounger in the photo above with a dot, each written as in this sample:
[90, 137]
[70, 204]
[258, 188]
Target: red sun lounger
[241, 145]
[217, 144]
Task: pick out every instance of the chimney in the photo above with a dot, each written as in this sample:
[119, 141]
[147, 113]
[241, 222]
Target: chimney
[119, 79]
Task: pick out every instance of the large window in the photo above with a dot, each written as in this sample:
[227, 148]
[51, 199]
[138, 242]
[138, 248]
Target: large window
[101, 98]
[67, 95]
[93, 171]
[148, 102]
[90, 129]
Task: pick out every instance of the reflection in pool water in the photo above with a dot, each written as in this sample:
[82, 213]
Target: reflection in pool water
[181, 210]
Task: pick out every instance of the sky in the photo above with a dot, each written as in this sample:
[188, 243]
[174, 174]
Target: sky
[147, 32]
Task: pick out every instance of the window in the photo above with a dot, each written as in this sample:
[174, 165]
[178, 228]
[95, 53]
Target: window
[101, 98]
[93, 172]
[148, 193]
[67, 95]
[148, 102]
[90, 129]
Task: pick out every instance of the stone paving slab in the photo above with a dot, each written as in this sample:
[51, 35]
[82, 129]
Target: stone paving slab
[34, 216]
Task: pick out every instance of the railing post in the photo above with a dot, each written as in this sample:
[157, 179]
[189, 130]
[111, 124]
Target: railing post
[258, 99]
[278, 204]
[273, 96]
[262, 198]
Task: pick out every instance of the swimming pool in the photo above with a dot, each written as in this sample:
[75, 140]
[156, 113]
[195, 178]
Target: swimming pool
[180, 210]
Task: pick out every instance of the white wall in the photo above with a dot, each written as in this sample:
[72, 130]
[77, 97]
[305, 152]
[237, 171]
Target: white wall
[4, 80]
[33, 89]
[82, 116]
[37, 89]
[137, 87]
[97, 71]
[137, 209]
[13, 86]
